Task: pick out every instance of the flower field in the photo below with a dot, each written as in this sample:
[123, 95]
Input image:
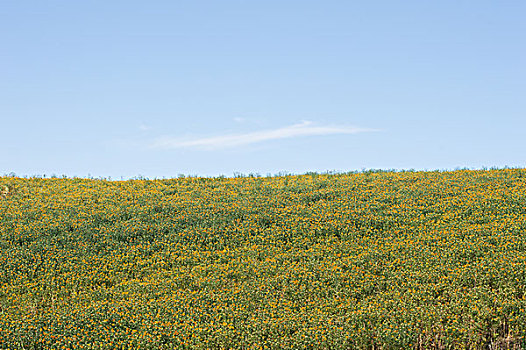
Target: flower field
[368, 260]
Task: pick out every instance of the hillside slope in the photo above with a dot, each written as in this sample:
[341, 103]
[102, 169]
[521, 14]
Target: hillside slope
[379, 259]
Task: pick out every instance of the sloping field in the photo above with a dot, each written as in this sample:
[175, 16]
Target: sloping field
[379, 259]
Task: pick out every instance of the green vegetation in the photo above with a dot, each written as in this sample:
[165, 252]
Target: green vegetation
[370, 260]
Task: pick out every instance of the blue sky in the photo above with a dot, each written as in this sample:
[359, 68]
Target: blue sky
[161, 88]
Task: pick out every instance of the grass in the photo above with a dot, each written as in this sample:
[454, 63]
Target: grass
[412, 260]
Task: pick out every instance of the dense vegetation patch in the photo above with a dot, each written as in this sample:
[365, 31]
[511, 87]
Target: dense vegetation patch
[385, 260]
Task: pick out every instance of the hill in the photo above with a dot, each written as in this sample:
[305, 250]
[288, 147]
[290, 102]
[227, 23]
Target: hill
[368, 260]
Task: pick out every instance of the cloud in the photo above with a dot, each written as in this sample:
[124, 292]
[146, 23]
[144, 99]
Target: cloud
[144, 127]
[305, 128]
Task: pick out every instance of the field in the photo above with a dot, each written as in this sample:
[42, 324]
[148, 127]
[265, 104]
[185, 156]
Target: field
[368, 260]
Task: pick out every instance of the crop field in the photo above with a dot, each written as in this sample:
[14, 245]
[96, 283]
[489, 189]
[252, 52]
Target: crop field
[384, 260]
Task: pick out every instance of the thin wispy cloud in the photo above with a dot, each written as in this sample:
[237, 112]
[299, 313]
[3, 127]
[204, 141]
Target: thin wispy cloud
[305, 128]
[144, 127]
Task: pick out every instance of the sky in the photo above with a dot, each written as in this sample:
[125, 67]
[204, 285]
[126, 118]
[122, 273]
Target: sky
[160, 88]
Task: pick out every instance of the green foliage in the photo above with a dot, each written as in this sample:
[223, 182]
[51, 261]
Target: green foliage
[376, 259]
